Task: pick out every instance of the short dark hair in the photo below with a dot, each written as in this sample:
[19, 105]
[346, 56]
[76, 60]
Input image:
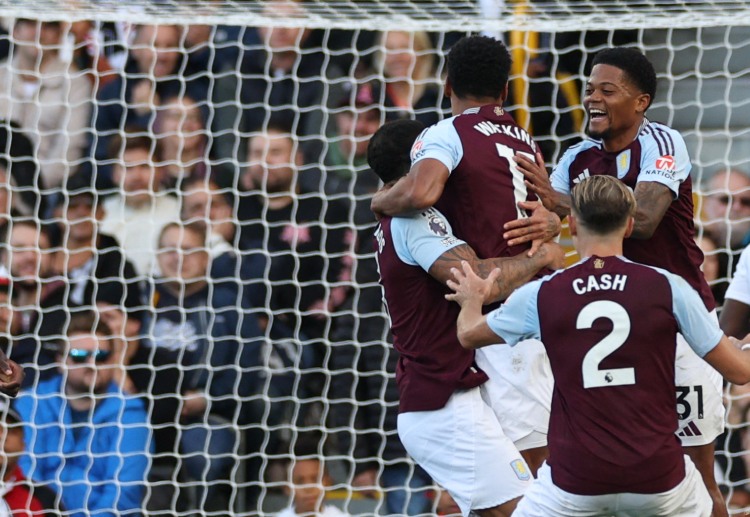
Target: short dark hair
[636, 66]
[602, 204]
[478, 66]
[389, 147]
[135, 138]
[87, 322]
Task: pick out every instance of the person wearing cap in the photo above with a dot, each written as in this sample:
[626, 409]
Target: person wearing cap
[20, 496]
[84, 437]
[49, 98]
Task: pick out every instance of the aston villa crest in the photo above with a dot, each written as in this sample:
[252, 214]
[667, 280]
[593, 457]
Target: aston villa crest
[498, 111]
[598, 263]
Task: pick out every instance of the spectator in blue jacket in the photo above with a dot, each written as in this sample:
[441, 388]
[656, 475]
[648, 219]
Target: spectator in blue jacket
[84, 437]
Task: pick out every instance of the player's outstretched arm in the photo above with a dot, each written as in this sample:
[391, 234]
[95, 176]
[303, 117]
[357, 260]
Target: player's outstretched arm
[735, 318]
[538, 182]
[470, 291]
[653, 200]
[418, 190]
[730, 361]
[512, 273]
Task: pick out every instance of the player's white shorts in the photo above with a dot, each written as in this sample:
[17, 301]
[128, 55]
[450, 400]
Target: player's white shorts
[519, 390]
[463, 447]
[700, 406]
[688, 499]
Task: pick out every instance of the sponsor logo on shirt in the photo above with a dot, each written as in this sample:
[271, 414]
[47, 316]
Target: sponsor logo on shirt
[582, 176]
[522, 472]
[665, 163]
[416, 150]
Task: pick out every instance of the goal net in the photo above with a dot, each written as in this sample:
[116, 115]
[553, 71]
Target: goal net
[147, 152]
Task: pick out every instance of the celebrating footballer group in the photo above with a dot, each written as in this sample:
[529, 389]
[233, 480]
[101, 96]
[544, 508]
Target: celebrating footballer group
[577, 395]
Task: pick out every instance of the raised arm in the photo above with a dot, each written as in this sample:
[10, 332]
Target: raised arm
[730, 361]
[513, 272]
[418, 190]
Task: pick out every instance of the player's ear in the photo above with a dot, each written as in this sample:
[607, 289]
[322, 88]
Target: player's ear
[504, 95]
[629, 227]
[642, 102]
[572, 224]
[447, 88]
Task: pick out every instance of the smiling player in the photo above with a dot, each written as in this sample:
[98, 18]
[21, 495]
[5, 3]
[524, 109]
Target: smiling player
[652, 160]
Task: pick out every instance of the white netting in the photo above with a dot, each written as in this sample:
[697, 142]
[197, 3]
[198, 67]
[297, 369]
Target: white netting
[283, 336]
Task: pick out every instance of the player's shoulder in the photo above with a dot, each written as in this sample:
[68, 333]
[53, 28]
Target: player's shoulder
[666, 139]
[582, 146]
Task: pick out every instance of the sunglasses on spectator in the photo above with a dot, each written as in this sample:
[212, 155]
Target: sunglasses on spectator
[725, 200]
[79, 356]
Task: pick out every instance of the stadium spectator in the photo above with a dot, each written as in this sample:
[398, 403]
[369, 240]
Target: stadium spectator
[20, 496]
[725, 216]
[180, 129]
[99, 49]
[141, 208]
[46, 97]
[11, 202]
[346, 159]
[281, 76]
[440, 385]
[11, 373]
[217, 347]
[652, 159]
[84, 436]
[93, 262]
[203, 201]
[18, 161]
[151, 75]
[303, 233]
[412, 85]
[604, 460]
[38, 299]
[308, 482]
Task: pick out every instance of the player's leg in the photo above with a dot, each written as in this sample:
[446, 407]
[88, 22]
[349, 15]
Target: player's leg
[519, 391]
[463, 448]
[703, 456]
[700, 411]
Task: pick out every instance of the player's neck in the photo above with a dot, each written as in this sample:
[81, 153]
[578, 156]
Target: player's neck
[590, 245]
[616, 143]
[458, 106]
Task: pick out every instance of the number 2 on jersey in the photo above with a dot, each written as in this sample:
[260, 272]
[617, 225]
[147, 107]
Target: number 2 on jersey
[519, 187]
[593, 376]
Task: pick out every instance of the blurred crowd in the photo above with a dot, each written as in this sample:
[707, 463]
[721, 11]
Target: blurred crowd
[188, 274]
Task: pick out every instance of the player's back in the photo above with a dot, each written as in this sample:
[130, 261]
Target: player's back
[485, 185]
[610, 332]
[432, 364]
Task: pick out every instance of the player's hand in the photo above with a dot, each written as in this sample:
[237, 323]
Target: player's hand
[367, 482]
[470, 288]
[537, 179]
[144, 97]
[542, 226]
[11, 376]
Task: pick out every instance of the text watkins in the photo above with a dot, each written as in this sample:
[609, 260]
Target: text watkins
[490, 128]
[605, 282]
